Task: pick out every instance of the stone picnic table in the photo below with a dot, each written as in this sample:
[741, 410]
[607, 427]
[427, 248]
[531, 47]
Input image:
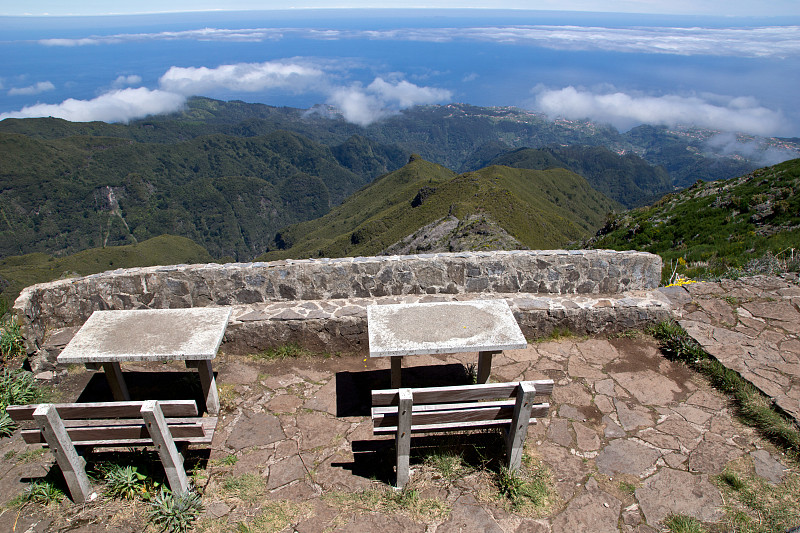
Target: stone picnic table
[192, 335]
[484, 326]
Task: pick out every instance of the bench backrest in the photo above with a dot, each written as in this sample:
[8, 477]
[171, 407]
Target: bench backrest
[118, 423]
[103, 410]
[457, 407]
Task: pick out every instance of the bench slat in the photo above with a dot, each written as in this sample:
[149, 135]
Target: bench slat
[197, 430]
[460, 393]
[75, 411]
[392, 409]
[452, 418]
[462, 426]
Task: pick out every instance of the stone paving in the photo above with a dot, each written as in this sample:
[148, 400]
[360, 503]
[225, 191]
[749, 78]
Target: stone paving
[751, 325]
[631, 437]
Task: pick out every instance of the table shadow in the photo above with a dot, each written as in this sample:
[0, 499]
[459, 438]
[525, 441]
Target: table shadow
[353, 389]
[182, 385]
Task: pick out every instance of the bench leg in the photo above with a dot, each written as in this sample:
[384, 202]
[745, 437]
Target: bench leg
[397, 369]
[403, 440]
[208, 383]
[72, 465]
[117, 382]
[485, 366]
[167, 451]
[515, 443]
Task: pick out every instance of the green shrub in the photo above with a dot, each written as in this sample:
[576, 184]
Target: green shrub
[175, 513]
[44, 492]
[124, 481]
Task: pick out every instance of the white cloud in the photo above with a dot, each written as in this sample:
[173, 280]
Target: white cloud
[365, 105]
[123, 81]
[358, 104]
[246, 77]
[625, 111]
[764, 41]
[115, 106]
[36, 88]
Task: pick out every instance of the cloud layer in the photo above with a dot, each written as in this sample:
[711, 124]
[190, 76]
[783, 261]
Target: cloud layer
[115, 106]
[365, 105]
[358, 104]
[625, 111]
[767, 41]
[243, 77]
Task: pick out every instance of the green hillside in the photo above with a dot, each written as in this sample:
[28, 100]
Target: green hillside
[18, 272]
[229, 194]
[716, 226]
[541, 209]
[628, 178]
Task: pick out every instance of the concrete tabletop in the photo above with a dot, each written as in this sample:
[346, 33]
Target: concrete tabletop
[442, 327]
[148, 335]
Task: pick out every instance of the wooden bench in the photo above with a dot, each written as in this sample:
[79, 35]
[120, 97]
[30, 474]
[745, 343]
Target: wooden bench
[459, 408]
[162, 424]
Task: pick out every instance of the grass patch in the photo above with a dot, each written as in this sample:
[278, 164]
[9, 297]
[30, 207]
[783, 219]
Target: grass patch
[285, 351]
[678, 523]
[627, 487]
[447, 463]
[556, 335]
[124, 481]
[11, 345]
[228, 460]
[529, 490]
[247, 487]
[753, 407]
[17, 387]
[275, 516]
[406, 501]
[753, 505]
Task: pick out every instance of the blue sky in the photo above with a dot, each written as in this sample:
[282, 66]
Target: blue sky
[684, 68]
[682, 7]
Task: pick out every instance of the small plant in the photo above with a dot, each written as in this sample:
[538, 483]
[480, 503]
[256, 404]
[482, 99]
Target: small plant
[175, 513]
[472, 373]
[10, 340]
[227, 397]
[677, 523]
[44, 492]
[124, 482]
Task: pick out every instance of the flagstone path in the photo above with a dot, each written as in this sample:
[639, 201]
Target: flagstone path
[631, 437]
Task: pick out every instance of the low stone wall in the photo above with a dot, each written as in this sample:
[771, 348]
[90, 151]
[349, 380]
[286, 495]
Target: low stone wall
[61, 305]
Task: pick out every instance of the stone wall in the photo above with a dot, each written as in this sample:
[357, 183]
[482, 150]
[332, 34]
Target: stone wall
[52, 307]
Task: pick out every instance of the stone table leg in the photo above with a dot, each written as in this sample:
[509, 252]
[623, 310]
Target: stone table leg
[485, 366]
[117, 382]
[208, 383]
[397, 367]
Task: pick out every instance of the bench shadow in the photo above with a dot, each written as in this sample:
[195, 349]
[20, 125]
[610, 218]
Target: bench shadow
[354, 389]
[376, 459]
[146, 461]
[182, 385]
